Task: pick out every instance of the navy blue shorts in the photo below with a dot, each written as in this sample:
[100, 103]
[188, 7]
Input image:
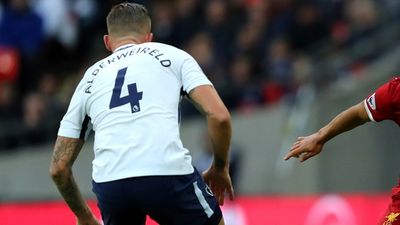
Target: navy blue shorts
[169, 200]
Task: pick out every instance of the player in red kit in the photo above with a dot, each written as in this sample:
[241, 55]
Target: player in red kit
[382, 105]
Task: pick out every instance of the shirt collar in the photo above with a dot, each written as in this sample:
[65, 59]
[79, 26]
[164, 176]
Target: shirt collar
[122, 47]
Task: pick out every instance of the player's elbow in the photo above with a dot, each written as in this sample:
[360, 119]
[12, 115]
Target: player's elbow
[58, 172]
[221, 117]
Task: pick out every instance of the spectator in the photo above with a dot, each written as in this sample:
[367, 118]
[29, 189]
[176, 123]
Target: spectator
[163, 22]
[33, 119]
[9, 114]
[8, 106]
[21, 28]
[248, 41]
[218, 27]
[58, 22]
[201, 48]
[242, 92]
[49, 88]
[308, 26]
[187, 22]
[41, 112]
[362, 16]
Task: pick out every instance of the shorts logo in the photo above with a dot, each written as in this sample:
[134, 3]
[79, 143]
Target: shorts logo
[371, 101]
[392, 217]
[208, 190]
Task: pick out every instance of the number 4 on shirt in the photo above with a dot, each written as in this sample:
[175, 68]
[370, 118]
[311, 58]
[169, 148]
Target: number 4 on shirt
[133, 97]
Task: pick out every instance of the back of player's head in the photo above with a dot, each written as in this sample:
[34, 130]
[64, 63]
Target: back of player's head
[127, 19]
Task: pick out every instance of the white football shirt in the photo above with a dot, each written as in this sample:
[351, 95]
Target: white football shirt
[131, 98]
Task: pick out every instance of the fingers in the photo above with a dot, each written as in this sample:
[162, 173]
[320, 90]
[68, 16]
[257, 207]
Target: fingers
[220, 185]
[295, 150]
[231, 193]
[221, 198]
[291, 154]
[220, 195]
[221, 191]
[306, 156]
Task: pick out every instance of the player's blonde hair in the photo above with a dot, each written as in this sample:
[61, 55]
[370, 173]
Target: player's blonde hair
[128, 19]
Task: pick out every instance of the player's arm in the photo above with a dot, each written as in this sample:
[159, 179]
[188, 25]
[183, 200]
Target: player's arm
[65, 152]
[207, 100]
[306, 147]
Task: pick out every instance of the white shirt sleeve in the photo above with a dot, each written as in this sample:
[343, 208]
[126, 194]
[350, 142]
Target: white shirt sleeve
[192, 75]
[76, 123]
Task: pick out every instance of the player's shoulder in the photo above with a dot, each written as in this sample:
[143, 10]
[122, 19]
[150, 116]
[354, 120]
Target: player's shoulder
[91, 69]
[159, 45]
[394, 86]
[96, 67]
[391, 89]
[395, 80]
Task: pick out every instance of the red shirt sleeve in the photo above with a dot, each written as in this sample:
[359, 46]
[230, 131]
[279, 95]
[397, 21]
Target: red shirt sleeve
[379, 105]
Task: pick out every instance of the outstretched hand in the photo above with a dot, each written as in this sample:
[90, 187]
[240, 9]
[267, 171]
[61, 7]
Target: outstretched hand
[305, 148]
[220, 183]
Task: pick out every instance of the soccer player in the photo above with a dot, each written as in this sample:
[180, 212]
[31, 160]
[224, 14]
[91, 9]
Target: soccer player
[381, 105]
[131, 100]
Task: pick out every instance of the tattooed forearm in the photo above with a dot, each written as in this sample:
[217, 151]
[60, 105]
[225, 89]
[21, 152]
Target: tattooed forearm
[72, 196]
[65, 152]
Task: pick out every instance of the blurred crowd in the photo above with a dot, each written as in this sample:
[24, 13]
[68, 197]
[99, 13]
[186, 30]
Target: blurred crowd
[256, 52]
